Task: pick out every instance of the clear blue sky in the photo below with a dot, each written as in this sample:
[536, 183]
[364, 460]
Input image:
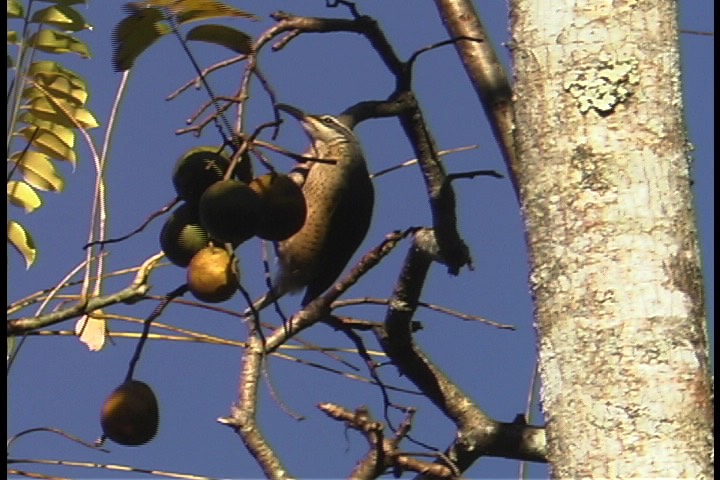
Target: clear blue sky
[56, 382]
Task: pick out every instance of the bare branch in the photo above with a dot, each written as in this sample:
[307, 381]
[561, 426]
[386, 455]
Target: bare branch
[243, 413]
[196, 82]
[383, 454]
[320, 307]
[407, 163]
[477, 433]
[485, 72]
[133, 293]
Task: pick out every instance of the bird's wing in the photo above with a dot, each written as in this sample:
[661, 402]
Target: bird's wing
[351, 220]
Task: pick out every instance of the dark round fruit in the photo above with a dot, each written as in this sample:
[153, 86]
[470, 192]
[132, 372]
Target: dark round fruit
[283, 206]
[243, 169]
[230, 211]
[210, 276]
[182, 236]
[197, 170]
[130, 415]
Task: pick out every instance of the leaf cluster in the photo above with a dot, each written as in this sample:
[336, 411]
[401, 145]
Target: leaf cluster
[148, 21]
[47, 104]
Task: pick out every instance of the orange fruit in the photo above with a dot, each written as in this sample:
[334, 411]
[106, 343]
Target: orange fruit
[210, 276]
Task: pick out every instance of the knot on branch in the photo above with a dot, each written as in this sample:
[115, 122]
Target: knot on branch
[455, 257]
[239, 420]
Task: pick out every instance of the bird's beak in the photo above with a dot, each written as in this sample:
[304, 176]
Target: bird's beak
[295, 112]
[308, 122]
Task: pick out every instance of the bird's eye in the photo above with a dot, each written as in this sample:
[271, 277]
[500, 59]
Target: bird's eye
[328, 120]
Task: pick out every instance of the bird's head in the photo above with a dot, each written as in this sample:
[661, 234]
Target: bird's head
[322, 129]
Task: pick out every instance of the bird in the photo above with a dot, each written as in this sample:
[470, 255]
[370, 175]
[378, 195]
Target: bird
[340, 199]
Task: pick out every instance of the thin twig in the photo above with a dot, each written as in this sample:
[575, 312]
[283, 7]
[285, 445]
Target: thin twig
[414, 161]
[139, 229]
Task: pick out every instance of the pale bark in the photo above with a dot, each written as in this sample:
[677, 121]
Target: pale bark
[604, 181]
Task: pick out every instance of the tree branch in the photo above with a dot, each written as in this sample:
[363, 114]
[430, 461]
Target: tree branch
[319, 308]
[477, 433]
[485, 72]
[383, 452]
[243, 413]
[133, 293]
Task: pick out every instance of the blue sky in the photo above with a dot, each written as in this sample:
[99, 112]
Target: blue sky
[56, 382]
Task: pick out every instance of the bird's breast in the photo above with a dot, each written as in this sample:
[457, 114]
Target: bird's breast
[335, 194]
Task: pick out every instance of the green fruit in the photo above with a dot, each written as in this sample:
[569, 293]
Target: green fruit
[196, 170]
[182, 236]
[130, 415]
[283, 206]
[210, 276]
[230, 211]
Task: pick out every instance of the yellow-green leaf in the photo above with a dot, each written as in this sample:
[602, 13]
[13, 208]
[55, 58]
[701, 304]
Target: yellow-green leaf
[21, 240]
[48, 142]
[227, 37]
[62, 16]
[12, 37]
[64, 134]
[23, 195]
[194, 10]
[60, 130]
[11, 348]
[59, 86]
[15, 9]
[52, 41]
[60, 111]
[135, 33]
[47, 67]
[160, 3]
[65, 2]
[59, 79]
[38, 170]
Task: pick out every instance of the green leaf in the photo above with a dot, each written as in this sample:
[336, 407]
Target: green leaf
[227, 37]
[62, 16]
[135, 33]
[15, 9]
[59, 86]
[48, 142]
[23, 195]
[52, 41]
[61, 113]
[12, 37]
[38, 170]
[21, 240]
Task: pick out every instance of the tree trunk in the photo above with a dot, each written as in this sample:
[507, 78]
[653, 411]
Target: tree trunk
[604, 181]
